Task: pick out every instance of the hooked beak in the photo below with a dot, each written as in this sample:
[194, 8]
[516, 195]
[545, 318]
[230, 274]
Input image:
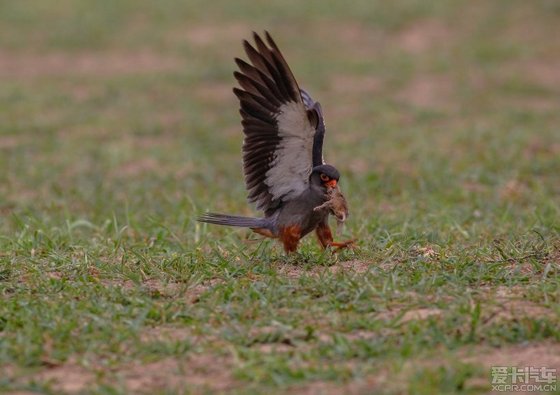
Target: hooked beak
[331, 184]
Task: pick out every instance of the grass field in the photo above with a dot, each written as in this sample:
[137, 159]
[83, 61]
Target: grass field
[118, 127]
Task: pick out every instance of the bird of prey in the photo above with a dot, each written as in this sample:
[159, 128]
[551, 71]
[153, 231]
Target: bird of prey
[285, 173]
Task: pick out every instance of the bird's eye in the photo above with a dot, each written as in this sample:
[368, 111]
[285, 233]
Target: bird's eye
[324, 177]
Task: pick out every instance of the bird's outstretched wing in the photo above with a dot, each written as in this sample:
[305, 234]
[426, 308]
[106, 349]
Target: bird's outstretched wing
[283, 127]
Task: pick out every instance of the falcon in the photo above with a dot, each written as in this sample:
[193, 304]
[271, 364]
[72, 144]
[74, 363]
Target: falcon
[285, 174]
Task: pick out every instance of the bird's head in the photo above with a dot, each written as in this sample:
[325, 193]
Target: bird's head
[325, 176]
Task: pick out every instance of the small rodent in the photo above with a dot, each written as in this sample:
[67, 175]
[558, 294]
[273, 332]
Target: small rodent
[336, 203]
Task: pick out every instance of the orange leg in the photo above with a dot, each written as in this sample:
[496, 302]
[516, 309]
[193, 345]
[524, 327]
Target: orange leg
[326, 239]
[290, 236]
[263, 231]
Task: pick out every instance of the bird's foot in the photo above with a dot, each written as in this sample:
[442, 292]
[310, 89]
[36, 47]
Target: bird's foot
[341, 245]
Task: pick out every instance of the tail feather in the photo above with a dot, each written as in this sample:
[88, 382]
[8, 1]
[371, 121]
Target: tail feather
[232, 220]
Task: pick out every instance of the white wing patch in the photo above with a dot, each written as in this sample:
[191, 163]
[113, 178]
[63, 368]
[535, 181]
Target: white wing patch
[289, 174]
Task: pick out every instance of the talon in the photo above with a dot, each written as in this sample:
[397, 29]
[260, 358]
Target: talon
[341, 245]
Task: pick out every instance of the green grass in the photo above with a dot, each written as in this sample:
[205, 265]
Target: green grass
[118, 127]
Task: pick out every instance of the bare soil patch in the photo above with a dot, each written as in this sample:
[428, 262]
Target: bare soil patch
[29, 64]
[137, 167]
[517, 309]
[199, 372]
[7, 142]
[209, 34]
[202, 372]
[513, 189]
[538, 147]
[70, 378]
[510, 304]
[215, 92]
[532, 103]
[152, 285]
[272, 338]
[9, 371]
[195, 291]
[519, 355]
[545, 72]
[353, 84]
[423, 35]
[168, 289]
[536, 354]
[352, 39]
[166, 333]
[428, 91]
[419, 314]
[363, 386]
[354, 266]
[274, 348]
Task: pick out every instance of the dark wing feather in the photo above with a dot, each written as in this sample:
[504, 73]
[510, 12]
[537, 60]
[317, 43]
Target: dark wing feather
[280, 123]
[315, 114]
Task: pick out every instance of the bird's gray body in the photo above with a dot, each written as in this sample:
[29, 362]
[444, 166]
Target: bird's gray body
[300, 211]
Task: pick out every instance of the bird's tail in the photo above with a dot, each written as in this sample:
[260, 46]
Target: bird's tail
[233, 220]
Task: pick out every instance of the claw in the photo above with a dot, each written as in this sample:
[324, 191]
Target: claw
[341, 245]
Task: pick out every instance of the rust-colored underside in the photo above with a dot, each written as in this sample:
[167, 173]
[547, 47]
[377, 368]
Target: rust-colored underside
[291, 235]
